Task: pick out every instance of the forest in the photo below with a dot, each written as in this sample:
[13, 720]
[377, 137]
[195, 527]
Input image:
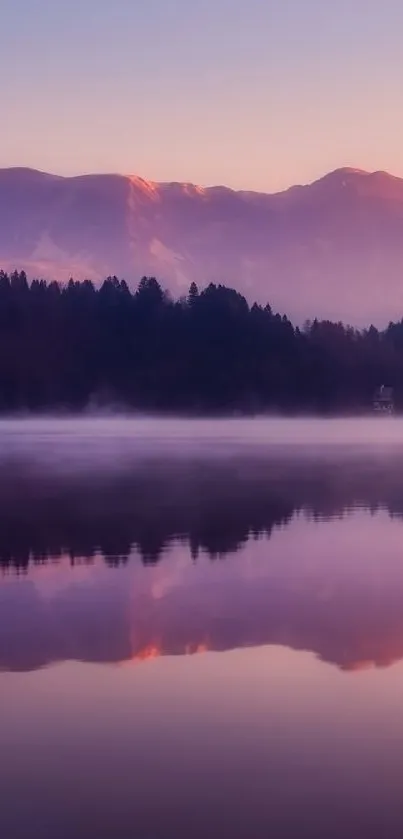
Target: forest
[78, 347]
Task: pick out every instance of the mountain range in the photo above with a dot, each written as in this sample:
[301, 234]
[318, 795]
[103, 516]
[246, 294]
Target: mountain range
[332, 249]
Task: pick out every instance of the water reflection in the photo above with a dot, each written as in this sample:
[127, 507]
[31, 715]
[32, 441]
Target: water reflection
[213, 505]
[242, 600]
[116, 568]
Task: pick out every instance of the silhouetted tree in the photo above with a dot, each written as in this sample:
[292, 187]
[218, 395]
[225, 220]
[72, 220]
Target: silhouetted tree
[76, 345]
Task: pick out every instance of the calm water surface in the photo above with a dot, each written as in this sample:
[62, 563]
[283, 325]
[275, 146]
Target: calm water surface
[201, 629]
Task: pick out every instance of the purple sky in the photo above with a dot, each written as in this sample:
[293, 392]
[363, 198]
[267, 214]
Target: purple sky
[252, 93]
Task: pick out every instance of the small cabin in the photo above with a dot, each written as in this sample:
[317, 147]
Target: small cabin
[383, 400]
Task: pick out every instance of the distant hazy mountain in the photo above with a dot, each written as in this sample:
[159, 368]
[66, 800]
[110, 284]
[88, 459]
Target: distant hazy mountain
[333, 248]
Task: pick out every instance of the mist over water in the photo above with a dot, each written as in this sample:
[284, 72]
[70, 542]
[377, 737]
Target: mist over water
[110, 485]
[117, 441]
[201, 617]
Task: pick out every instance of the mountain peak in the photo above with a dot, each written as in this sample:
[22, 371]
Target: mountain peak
[379, 184]
[344, 173]
[357, 175]
[348, 170]
[28, 174]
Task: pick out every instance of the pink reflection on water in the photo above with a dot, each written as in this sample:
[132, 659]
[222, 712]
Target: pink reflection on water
[334, 588]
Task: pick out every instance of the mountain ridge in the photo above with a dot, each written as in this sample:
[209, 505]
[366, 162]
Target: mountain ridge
[135, 177]
[333, 246]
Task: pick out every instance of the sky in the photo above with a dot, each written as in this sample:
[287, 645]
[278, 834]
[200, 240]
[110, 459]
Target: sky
[255, 94]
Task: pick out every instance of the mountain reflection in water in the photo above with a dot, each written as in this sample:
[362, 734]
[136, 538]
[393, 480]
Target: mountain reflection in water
[113, 563]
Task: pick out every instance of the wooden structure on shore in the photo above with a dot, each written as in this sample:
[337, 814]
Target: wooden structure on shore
[383, 400]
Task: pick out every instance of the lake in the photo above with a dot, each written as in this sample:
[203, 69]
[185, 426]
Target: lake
[201, 628]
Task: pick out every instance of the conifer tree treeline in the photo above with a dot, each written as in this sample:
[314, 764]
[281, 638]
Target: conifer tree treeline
[74, 346]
